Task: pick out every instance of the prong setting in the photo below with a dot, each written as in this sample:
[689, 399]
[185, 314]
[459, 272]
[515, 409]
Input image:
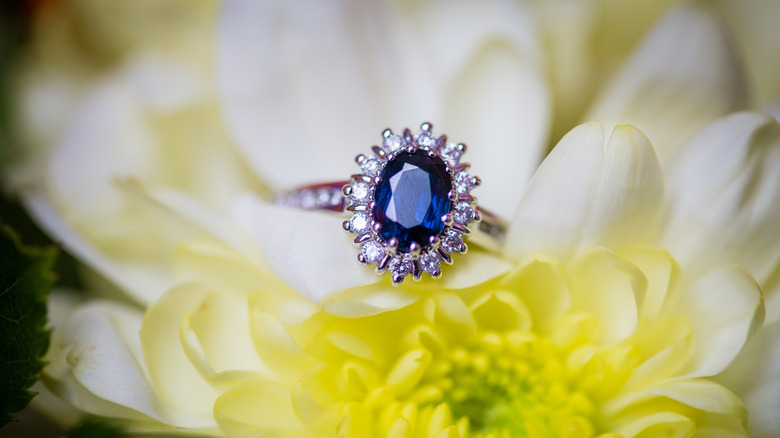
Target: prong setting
[420, 256]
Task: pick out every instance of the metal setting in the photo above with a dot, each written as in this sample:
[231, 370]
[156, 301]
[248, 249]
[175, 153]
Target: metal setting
[360, 194]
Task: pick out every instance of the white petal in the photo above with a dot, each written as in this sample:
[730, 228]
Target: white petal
[611, 289]
[756, 34]
[472, 269]
[95, 364]
[725, 309]
[500, 106]
[295, 78]
[307, 250]
[108, 138]
[144, 281]
[585, 42]
[369, 300]
[724, 198]
[172, 374]
[683, 76]
[303, 96]
[755, 378]
[586, 193]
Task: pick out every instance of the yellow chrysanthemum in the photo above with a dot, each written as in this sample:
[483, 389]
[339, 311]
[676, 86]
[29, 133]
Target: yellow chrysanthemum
[611, 344]
[612, 308]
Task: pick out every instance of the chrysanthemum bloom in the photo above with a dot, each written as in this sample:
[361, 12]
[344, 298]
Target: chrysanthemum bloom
[615, 299]
[595, 329]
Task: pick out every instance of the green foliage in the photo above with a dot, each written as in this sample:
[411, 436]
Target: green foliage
[26, 276]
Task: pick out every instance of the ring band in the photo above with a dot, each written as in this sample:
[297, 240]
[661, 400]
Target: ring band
[489, 233]
[412, 205]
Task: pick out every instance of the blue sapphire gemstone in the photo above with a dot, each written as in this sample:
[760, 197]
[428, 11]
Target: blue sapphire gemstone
[412, 198]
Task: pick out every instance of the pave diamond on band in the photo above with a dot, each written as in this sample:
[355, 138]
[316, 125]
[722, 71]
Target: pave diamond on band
[411, 205]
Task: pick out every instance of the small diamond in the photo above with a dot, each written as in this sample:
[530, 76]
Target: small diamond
[424, 139]
[430, 262]
[371, 166]
[323, 197]
[463, 183]
[452, 242]
[400, 267]
[308, 199]
[392, 143]
[359, 191]
[359, 223]
[463, 213]
[372, 252]
[451, 152]
[336, 197]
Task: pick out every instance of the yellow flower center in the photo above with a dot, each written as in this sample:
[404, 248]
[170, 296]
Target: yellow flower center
[592, 350]
[520, 393]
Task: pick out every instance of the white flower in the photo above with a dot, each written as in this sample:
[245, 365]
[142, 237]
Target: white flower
[141, 182]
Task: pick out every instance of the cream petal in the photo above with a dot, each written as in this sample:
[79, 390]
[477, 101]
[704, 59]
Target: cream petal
[212, 219]
[96, 364]
[142, 280]
[107, 138]
[700, 394]
[756, 34]
[540, 275]
[369, 300]
[611, 289]
[684, 75]
[663, 278]
[257, 409]
[277, 347]
[723, 198]
[585, 41]
[472, 269]
[294, 78]
[671, 424]
[175, 379]
[587, 192]
[279, 82]
[221, 325]
[725, 309]
[500, 106]
[307, 250]
[755, 378]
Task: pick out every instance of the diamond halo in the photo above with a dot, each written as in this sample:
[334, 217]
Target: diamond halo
[361, 199]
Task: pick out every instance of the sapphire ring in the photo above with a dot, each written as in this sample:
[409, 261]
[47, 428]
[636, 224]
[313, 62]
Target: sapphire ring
[411, 205]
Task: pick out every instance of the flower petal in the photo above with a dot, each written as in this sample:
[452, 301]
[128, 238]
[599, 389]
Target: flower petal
[538, 275]
[94, 364]
[725, 309]
[370, 300]
[282, 68]
[724, 204]
[142, 280]
[755, 378]
[683, 76]
[257, 409]
[663, 277]
[586, 193]
[611, 289]
[756, 34]
[307, 250]
[174, 378]
[500, 105]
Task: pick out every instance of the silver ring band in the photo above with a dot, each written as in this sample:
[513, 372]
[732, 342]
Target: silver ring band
[489, 233]
[411, 205]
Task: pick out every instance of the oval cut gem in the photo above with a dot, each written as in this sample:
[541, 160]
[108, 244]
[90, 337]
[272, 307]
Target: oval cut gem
[412, 198]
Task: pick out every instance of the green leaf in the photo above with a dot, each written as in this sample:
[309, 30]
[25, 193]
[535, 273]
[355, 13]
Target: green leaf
[26, 276]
